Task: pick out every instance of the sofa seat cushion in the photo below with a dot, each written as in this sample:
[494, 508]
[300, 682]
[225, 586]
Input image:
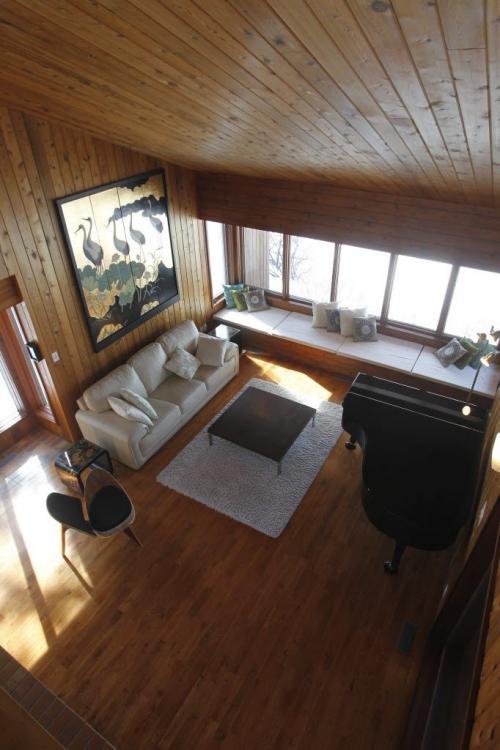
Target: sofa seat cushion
[148, 364]
[186, 394]
[185, 336]
[169, 415]
[215, 377]
[96, 396]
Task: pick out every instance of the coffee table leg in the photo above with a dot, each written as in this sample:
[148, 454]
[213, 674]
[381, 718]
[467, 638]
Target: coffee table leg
[210, 439]
[313, 421]
[279, 468]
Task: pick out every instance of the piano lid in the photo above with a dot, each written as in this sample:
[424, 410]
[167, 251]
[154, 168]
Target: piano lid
[416, 399]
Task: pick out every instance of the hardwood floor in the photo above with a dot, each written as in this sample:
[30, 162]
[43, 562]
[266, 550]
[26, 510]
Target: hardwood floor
[213, 635]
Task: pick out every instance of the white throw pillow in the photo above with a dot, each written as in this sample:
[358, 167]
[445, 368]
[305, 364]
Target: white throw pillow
[140, 402]
[211, 351]
[319, 312]
[183, 364]
[346, 316]
[127, 411]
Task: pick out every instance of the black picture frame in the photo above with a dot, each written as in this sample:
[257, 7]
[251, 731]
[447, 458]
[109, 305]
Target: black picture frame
[102, 259]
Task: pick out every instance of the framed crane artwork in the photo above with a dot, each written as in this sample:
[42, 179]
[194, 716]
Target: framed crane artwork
[119, 241]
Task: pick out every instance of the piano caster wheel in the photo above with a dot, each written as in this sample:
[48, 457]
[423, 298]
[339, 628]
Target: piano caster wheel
[390, 568]
[350, 445]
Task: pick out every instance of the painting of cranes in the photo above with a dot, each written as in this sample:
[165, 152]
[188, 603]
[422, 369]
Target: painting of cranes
[119, 242]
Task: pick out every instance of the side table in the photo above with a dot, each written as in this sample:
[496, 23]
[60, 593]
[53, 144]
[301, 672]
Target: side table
[71, 463]
[222, 331]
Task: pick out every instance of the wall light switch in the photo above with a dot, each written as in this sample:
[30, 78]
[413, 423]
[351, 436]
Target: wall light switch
[55, 357]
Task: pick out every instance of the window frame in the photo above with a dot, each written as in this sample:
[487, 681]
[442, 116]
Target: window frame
[427, 336]
[218, 300]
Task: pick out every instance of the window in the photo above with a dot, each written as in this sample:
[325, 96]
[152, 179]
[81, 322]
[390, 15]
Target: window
[311, 268]
[362, 278]
[216, 256]
[418, 291]
[438, 297]
[475, 306]
[263, 259]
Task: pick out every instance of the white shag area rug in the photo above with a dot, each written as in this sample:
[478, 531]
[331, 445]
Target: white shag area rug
[245, 486]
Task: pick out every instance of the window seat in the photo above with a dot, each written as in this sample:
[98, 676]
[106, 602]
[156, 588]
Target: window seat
[388, 352]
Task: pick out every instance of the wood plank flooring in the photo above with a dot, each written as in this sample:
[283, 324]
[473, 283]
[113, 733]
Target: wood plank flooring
[213, 635]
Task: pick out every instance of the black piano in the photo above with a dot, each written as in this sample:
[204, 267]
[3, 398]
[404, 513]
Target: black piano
[421, 459]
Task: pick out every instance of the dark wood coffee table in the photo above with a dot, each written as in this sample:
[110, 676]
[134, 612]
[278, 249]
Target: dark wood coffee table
[262, 423]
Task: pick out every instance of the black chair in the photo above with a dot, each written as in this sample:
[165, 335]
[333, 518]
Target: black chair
[104, 510]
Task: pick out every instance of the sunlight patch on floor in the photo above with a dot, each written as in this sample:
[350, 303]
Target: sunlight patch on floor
[39, 593]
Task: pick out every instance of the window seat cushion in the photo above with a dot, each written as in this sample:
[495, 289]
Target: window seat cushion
[396, 354]
[388, 351]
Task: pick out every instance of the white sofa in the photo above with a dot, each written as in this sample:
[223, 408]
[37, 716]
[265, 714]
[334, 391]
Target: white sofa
[174, 399]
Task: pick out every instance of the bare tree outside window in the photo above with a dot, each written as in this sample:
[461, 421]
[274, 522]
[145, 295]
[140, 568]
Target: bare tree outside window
[311, 268]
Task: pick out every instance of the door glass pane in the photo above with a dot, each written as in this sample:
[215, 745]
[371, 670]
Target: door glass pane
[216, 256]
[418, 291]
[263, 259]
[10, 402]
[362, 278]
[475, 306]
[311, 268]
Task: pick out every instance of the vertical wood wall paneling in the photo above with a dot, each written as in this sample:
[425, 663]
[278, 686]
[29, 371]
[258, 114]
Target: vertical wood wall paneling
[461, 234]
[41, 161]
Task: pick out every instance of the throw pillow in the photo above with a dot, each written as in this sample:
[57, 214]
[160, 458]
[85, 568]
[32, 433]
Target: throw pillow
[256, 300]
[239, 299]
[127, 411]
[333, 320]
[346, 316]
[211, 351]
[140, 402]
[183, 364]
[320, 310]
[450, 352]
[228, 292]
[364, 329]
[471, 351]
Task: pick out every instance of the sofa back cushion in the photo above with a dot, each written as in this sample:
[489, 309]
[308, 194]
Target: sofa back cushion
[148, 364]
[96, 397]
[184, 336]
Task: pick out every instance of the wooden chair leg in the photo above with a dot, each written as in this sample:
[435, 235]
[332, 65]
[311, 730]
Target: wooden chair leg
[128, 531]
[63, 539]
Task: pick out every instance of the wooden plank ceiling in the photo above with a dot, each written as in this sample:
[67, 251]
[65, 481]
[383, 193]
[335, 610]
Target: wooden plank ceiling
[400, 96]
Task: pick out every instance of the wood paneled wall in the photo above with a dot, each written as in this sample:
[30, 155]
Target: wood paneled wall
[466, 235]
[40, 161]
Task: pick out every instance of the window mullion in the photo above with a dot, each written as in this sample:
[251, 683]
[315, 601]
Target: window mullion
[335, 272]
[388, 287]
[448, 298]
[286, 265]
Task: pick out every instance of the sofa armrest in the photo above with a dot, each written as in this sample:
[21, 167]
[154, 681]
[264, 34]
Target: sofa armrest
[119, 436]
[232, 351]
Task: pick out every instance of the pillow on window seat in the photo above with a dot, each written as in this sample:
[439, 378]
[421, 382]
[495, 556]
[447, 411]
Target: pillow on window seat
[470, 353]
[346, 316]
[239, 298]
[256, 300]
[320, 311]
[364, 329]
[450, 352]
[228, 292]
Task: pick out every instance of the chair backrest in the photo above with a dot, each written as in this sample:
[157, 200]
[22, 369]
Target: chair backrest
[97, 480]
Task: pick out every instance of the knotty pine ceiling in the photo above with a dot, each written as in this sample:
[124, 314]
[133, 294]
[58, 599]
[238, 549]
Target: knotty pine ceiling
[403, 100]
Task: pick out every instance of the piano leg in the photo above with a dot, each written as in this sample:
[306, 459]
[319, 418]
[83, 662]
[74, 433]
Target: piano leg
[351, 444]
[392, 566]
